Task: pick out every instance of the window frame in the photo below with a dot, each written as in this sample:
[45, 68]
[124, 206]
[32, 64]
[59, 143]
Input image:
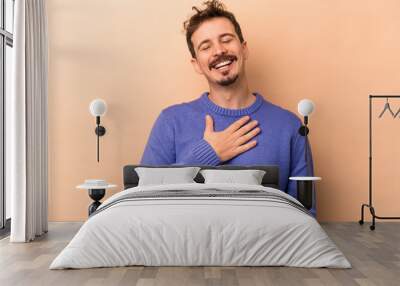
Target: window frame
[6, 39]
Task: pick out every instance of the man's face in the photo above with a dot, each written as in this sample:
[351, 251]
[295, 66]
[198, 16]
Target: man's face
[220, 56]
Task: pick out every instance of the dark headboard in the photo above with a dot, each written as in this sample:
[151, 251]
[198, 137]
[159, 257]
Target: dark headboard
[270, 179]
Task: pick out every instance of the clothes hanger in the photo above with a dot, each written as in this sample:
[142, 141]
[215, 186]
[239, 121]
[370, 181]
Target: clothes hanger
[397, 113]
[387, 107]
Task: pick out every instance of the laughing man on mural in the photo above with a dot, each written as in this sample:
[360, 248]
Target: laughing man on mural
[229, 124]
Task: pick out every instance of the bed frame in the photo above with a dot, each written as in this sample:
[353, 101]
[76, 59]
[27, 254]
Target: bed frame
[270, 179]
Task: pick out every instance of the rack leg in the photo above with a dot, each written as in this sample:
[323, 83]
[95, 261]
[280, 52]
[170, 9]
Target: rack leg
[372, 210]
[361, 221]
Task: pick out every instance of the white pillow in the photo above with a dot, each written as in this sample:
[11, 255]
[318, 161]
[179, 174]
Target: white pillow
[162, 176]
[248, 177]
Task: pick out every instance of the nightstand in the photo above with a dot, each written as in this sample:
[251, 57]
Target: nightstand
[305, 189]
[96, 190]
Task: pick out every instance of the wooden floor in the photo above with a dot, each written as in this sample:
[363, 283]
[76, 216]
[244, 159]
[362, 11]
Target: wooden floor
[375, 256]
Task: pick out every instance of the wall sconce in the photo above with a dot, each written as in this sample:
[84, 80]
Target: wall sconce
[98, 107]
[305, 108]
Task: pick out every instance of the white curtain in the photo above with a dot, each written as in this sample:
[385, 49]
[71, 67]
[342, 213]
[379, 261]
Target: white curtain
[27, 123]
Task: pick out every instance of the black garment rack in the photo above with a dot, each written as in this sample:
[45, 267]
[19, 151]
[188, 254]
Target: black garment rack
[370, 205]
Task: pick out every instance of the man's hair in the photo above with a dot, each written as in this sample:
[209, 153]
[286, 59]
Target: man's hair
[213, 9]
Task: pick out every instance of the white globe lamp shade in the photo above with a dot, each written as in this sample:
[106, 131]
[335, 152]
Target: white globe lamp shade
[98, 107]
[305, 107]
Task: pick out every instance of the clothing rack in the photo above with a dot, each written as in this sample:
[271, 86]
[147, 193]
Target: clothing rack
[370, 204]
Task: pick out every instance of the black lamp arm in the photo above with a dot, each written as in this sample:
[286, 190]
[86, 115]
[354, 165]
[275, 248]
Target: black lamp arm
[303, 131]
[100, 131]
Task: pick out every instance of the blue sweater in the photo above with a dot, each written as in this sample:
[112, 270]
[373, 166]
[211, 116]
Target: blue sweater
[177, 138]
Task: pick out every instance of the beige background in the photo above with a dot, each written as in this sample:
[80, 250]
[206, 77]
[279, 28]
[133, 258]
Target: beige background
[133, 55]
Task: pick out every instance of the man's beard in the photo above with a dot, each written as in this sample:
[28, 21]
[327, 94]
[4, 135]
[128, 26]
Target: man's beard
[228, 81]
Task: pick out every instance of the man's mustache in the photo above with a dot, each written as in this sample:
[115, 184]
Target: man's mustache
[221, 59]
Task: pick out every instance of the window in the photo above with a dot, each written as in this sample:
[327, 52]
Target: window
[6, 44]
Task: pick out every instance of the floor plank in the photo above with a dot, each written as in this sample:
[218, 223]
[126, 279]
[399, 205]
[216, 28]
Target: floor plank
[375, 257]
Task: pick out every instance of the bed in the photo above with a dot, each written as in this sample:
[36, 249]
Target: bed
[201, 224]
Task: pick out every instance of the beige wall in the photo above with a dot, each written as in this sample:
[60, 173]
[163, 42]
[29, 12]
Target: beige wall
[133, 55]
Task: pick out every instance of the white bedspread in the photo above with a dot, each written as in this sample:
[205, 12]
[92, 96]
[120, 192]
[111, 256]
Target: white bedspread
[183, 231]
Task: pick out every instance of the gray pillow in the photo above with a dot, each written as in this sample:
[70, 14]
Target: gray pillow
[162, 176]
[248, 177]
